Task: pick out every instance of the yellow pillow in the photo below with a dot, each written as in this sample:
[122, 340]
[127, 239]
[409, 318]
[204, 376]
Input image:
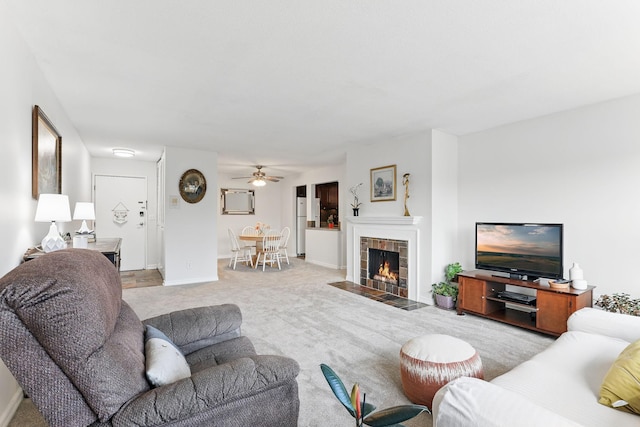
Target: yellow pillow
[621, 386]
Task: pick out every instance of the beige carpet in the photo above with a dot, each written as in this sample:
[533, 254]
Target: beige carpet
[294, 312]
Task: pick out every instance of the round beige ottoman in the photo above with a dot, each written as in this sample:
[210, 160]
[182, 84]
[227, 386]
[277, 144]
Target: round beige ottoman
[429, 362]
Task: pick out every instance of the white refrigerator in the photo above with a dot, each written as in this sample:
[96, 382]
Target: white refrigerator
[301, 224]
[315, 212]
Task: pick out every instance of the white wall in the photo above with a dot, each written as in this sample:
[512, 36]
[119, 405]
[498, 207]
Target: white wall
[136, 168]
[268, 210]
[580, 168]
[190, 233]
[326, 247]
[22, 86]
[444, 203]
[411, 154]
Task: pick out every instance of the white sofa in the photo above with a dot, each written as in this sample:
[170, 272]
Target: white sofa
[558, 387]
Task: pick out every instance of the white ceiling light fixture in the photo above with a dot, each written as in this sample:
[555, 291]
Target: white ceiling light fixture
[123, 152]
[259, 182]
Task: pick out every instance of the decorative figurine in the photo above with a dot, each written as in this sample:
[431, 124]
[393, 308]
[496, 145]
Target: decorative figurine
[405, 182]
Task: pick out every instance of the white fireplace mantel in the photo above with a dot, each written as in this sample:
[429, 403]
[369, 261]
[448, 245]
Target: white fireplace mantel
[385, 220]
[387, 227]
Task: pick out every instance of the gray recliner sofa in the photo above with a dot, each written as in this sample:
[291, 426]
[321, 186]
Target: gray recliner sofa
[77, 349]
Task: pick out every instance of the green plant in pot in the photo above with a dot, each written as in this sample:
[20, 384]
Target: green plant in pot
[363, 411]
[445, 293]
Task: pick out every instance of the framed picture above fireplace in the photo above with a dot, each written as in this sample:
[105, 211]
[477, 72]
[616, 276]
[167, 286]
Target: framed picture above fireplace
[383, 183]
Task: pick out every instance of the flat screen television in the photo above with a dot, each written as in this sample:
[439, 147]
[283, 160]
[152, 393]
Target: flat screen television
[532, 250]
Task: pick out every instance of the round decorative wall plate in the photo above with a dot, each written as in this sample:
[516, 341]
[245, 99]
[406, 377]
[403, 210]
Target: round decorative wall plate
[192, 185]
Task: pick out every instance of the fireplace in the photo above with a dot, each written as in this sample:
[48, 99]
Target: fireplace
[384, 265]
[399, 234]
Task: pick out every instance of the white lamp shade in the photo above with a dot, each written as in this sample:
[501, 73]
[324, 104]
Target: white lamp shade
[53, 207]
[84, 210]
[259, 183]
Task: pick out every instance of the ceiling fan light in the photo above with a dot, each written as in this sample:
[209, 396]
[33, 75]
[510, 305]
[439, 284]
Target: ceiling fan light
[259, 183]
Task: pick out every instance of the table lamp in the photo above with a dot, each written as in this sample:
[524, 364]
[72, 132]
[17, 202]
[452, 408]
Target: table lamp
[53, 207]
[84, 211]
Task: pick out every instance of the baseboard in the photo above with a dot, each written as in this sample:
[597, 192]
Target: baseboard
[12, 407]
[152, 267]
[192, 281]
[322, 264]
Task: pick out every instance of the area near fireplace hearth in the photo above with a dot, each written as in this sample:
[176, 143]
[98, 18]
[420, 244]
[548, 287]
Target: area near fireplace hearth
[384, 253]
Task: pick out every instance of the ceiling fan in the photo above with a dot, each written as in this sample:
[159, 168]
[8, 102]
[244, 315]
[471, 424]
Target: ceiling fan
[259, 178]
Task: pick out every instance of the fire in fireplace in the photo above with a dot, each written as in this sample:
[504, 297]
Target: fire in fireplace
[392, 256]
[384, 266]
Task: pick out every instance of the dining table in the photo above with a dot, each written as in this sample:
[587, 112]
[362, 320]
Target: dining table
[258, 238]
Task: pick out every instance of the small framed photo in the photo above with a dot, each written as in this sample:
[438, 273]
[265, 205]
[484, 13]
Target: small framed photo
[383, 183]
[192, 186]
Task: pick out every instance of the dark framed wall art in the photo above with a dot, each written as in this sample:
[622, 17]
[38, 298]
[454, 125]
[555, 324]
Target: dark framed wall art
[46, 164]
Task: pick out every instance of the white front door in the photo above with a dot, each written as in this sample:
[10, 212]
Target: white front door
[121, 211]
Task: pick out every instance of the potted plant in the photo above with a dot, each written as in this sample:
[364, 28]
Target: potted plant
[445, 293]
[619, 303]
[363, 411]
[356, 204]
[451, 271]
[331, 221]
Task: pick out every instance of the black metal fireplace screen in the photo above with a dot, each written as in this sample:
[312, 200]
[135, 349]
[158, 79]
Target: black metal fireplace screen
[384, 266]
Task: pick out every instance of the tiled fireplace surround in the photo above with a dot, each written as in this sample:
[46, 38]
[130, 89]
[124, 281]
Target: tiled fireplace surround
[388, 245]
[364, 230]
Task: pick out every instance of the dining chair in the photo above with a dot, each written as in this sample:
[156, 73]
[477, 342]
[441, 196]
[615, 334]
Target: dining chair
[284, 240]
[238, 253]
[270, 249]
[249, 230]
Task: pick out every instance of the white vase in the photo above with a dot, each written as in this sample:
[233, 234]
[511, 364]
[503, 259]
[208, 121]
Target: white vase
[579, 284]
[575, 272]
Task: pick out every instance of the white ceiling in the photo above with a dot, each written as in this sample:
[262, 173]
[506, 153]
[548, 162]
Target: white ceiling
[290, 83]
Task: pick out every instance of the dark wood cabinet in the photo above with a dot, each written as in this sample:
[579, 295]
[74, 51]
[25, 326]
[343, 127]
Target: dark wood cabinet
[553, 311]
[479, 295]
[328, 195]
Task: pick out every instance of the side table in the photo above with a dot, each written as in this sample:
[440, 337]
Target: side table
[109, 247]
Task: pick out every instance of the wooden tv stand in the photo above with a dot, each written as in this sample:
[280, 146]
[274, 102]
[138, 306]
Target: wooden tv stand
[478, 295]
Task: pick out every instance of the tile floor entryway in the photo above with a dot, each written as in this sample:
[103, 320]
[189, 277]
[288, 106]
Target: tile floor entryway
[140, 278]
[377, 295]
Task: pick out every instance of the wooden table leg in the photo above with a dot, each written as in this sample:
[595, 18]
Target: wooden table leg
[259, 247]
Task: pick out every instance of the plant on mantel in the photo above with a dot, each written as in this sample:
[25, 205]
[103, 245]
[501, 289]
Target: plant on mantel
[619, 303]
[356, 203]
[363, 411]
